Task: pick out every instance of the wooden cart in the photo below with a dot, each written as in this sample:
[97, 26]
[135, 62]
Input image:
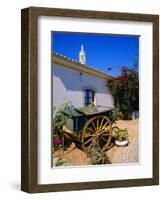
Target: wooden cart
[90, 129]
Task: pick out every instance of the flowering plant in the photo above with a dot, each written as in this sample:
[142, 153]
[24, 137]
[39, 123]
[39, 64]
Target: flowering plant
[57, 141]
[125, 90]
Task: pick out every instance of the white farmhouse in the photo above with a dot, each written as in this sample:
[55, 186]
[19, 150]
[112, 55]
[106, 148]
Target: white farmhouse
[81, 84]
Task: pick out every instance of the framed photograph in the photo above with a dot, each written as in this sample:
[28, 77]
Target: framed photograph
[90, 99]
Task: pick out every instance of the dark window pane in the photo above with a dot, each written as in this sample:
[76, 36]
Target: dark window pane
[89, 96]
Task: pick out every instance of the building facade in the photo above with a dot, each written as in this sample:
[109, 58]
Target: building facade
[81, 84]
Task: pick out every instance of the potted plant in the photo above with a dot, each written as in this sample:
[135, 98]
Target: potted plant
[121, 137]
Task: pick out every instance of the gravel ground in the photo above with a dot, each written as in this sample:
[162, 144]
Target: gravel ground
[129, 154]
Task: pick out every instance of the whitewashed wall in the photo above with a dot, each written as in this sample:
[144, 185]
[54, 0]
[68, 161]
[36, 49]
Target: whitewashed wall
[68, 84]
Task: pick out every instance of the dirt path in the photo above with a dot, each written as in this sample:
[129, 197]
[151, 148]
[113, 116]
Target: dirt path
[130, 154]
[73, 156]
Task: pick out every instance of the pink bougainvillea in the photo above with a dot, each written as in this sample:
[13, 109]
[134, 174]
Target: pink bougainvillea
[125, 90]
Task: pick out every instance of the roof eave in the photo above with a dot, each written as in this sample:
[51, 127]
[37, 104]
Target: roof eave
[59, 59]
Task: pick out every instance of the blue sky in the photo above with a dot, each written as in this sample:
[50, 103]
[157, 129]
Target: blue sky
[102, 51]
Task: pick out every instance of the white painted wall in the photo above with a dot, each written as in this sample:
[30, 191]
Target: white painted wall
[68, 84]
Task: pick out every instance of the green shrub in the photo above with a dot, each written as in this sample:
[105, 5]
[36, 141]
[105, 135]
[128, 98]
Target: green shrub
[61, 115]
[117, 114]
[59, 162]
[97, 156]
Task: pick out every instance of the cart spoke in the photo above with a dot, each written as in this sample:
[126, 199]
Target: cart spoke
[104, 139]
[101, 123]
[93, 125]
[97, 124]
[87, 136]
[89, 140]
[106, 124]
[106, 134]
[89, 129]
